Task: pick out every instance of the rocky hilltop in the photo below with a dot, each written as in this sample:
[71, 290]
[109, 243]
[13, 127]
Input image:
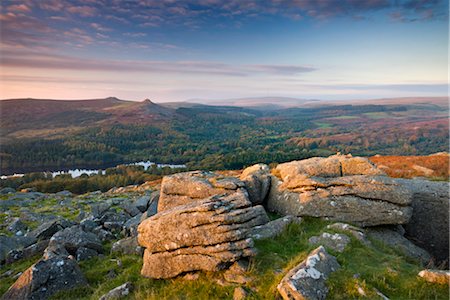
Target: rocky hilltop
[334, 227]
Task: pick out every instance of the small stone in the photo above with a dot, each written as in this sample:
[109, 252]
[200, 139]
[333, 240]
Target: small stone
[119, 292]
[112, 274]
[239, 293]
[436, 276]
[191, 276]
[336, 241]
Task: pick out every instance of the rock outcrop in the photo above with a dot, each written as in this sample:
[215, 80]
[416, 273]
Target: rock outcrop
[429, 224]
[187, 187]
[207, 234]
[308, 279]
[257, 182]
[341, 188]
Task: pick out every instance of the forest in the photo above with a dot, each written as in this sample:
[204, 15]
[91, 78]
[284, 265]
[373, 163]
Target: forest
[209, 137]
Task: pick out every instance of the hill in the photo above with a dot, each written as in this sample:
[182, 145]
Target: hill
[41, 135]
[18, 115]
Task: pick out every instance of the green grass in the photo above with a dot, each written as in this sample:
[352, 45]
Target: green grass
[323, 125]
[378, 266]
[344, 117]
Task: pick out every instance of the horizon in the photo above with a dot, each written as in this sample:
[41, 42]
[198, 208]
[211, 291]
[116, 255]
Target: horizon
[215, 50]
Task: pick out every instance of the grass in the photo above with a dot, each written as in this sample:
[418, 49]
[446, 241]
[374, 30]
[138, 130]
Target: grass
[344, 117]
[323, 125]
[378, 267]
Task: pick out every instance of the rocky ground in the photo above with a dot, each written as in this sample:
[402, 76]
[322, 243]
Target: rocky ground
[334, 228]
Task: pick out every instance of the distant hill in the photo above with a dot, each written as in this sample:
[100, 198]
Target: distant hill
[27, 114]
[258, 102]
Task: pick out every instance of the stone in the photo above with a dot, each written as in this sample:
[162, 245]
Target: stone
[17, 225]
[257, 182]
[122, 291]
[7, 190]
[153, 204]
[127, 246]
[206, 234]
[45, 278]
[103, 235]
[46, 230]
[337, 241]
[237, 272]
[273, 228]
[112, 216]
[130, 208]
[88, 225]
[16, 243]
[183, 188]
[358, 233]
[429, 224]
[99, 209]
[394, 239]
[142, 203]
[339, 188]
[308, 279]
[239, 293]
[74, 238]
[27, 252]
[84, 253]
[191, 276]
[436, 276]
[64, 194]
[130, 226]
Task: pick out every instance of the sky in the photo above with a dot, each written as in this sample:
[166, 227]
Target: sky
[168, 50]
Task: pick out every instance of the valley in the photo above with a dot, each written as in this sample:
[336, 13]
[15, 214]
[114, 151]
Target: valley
[50, 135]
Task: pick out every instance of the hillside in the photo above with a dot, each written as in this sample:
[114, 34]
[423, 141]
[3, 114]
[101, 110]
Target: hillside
[41, 135]
[435, 166]
[25, 115]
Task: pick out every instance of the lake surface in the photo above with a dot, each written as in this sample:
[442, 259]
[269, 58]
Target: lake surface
[78, 172]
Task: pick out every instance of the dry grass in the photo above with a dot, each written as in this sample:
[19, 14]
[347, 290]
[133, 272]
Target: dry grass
[432, 166]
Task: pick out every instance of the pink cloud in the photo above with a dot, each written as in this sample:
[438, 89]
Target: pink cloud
[84, 11]
[19, 8]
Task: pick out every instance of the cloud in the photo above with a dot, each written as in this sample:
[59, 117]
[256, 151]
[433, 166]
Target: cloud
[19, 8]
[84, 11]
[43, 61]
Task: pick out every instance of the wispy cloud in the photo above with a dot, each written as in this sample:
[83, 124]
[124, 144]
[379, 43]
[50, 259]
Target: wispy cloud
[42, 61]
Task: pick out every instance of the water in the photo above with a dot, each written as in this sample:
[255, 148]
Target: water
[78, 172]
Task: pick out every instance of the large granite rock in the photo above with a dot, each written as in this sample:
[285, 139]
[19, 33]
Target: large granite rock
[257, 182]
[183, 188]
[207, 234]
[45, 278]
[341, 188]
[429, 224]
[308, 279]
